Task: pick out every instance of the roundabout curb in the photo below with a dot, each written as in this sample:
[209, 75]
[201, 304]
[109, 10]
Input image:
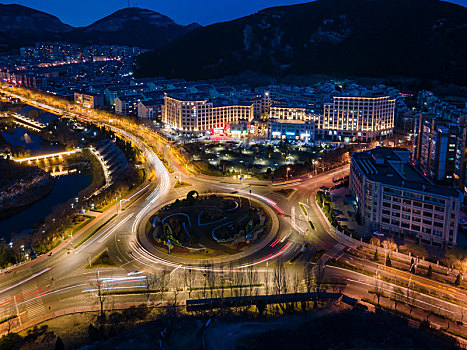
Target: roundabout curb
[144, 241]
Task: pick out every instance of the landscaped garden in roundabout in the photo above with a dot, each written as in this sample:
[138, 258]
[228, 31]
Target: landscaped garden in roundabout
[207, 226]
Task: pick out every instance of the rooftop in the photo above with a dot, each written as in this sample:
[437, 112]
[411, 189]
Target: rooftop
[391, 166]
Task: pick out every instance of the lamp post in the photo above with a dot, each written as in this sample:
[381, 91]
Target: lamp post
[288, 169]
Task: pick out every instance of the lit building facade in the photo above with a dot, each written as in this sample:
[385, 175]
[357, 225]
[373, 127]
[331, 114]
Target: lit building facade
[394, 198]
[194, 116]
[355, 118]
[303, 130]
[287, 112]
[435, 148]
[89, 100]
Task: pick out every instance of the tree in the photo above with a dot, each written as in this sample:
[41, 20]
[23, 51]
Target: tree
[279, 279]
[429, 273]
[162, 283]
[101, 292]
[412, 266]
[318, 276]
[397, 295]
[378, 289]
[458, 279]
[252, 279]
[175, 282]
[410, 299]
[308, 277]
[149, 283]
[295, 282]
[388, 260]
[59, 344]
[189, 276]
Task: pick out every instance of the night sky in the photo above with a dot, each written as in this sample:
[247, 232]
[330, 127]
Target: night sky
[84, 12]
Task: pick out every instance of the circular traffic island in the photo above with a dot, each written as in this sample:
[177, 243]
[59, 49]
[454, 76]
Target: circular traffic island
[208, 226]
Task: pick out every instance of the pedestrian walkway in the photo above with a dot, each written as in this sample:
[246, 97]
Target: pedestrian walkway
[34, 307]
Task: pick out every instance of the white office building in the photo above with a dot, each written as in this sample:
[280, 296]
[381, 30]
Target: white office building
[394, 198]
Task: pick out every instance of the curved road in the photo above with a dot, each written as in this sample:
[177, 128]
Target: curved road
[50, 286]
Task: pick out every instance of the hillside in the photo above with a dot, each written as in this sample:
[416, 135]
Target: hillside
[131, 26]
[22, 26]
[416, 38]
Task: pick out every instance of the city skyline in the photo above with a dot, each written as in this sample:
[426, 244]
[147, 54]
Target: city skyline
[185, 12]
[296, 178]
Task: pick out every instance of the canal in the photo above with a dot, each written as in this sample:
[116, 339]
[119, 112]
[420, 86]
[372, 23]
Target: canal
[65, 187]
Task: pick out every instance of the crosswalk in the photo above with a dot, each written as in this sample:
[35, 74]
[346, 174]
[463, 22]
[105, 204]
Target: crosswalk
[35, 307]
[335, 250]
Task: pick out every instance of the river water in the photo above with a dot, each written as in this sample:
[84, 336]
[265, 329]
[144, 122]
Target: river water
[65, 187]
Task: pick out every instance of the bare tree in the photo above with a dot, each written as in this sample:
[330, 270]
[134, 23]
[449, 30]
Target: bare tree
[211, 279]
[279, 279]
[295, 282]
[318, 276]
[267, 278]
[239, 282]
[101, 292]
[231, 276]
[149, 284]
[252, 279]
[378, 289]
[397, 295]
[175, 283]
[308, 277]
[410, 298]
[189, 276]
[9, 324]
[162, 283]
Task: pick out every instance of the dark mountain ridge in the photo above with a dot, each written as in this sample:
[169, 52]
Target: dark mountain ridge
[22, 26]
[415, 38]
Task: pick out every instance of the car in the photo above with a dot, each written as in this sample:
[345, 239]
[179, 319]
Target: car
[134, 272]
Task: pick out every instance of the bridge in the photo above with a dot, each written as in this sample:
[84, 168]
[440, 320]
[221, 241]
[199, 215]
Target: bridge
[58, 155]
[29, 122]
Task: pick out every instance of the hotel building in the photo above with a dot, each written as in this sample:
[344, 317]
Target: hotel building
[194, 115]
[355, 118]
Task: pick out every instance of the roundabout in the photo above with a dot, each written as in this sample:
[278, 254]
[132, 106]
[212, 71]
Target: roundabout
[220, 228]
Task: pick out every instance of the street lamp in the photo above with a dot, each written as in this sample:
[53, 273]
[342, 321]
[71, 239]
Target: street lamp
[288, 169]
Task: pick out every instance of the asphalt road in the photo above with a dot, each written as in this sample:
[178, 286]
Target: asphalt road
[50, 286]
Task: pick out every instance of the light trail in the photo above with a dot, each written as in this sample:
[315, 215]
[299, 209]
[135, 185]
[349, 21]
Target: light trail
[269, 257]
[107, 232]
[420, 301]
[262, 198]
[115, 228]
[51, 292]
[24, 281]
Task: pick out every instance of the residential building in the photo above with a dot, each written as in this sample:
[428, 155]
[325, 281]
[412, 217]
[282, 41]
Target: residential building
[128, 105]
[150, 109]
[89, 100]
[436, 148]
[460, 167]
[394, 198]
